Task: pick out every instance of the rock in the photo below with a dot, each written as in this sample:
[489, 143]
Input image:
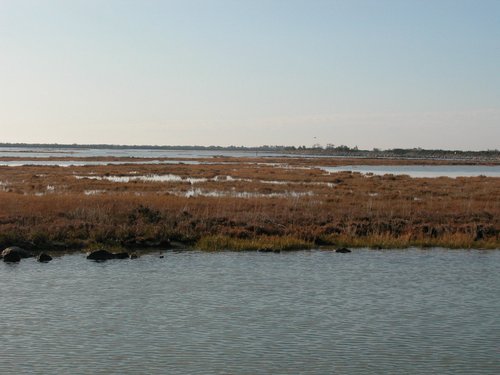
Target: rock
[17, 250]
[265, 250]
[44, 258]
[133, 256]
[11, 257]
[161, 257]
[100, 255]
[343, 250]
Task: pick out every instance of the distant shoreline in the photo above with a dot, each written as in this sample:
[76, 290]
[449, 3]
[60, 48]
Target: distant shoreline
[301, 151]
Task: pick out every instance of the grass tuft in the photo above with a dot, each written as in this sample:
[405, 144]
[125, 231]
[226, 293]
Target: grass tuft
[220, 242]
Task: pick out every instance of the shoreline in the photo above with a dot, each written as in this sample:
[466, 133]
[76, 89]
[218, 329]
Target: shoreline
[46, 254]
[329, 151]
[296, 159]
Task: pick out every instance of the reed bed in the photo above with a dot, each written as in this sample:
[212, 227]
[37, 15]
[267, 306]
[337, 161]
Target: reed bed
[244, 204]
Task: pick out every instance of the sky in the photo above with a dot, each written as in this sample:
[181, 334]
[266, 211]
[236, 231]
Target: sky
[372, 73]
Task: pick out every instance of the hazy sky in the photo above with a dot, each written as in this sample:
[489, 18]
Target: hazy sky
[395, 73]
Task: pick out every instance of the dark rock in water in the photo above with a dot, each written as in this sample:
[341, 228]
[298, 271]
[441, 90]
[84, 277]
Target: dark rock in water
[17, 250]
[133, 256]
[100, 255]
[161, 257]
[44, 258]
[265, 250]
[12, 257]
[343, 250]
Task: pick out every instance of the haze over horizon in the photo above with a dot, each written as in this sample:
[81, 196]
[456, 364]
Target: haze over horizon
[365, 73]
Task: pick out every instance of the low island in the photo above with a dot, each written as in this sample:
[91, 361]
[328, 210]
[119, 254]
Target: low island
[257, 202]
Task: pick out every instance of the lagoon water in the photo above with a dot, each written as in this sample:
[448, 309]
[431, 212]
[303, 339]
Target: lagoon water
[31, 156]
[27, 152]
[308, 312]
[428, 171]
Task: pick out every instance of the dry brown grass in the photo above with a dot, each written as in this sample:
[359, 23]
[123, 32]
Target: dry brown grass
[262, 205]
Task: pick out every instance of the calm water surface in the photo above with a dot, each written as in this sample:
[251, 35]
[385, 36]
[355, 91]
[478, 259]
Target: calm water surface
[27, 152]
[422, 170]
[311, 312]
[34, 154]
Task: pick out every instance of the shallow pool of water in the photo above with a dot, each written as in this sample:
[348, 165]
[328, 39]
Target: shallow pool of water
[422, 170]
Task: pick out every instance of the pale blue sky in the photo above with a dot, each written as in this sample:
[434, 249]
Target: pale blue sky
[380, 73]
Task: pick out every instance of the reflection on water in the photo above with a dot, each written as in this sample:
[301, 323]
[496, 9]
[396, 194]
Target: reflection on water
[241, 194]
[422, 170]
[146, 178]
[368, 312]
[62, 163]
[177, 156]
[162, 178]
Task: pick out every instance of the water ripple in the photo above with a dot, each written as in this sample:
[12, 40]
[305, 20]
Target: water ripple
[311, 312]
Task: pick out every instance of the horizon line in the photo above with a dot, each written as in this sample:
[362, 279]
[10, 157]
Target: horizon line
[318, 147]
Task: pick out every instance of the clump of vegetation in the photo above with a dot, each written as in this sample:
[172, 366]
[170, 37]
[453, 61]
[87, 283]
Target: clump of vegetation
[218, 242]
